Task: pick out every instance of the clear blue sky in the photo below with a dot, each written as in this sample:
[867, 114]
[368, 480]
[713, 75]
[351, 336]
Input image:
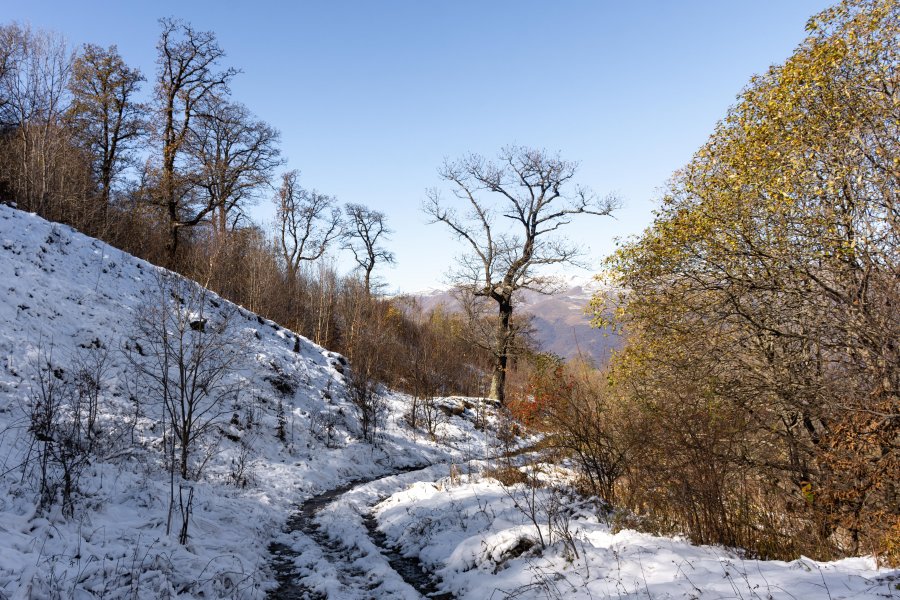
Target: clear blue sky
[371, 96]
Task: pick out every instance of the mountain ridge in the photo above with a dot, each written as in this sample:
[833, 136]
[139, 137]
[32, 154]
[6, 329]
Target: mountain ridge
[560, 321]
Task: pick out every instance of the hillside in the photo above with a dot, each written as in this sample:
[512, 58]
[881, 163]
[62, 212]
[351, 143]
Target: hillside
[290, 503]
[69, 299]
[560, 323]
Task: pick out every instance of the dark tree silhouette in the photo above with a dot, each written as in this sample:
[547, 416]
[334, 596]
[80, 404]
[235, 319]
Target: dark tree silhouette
[363, 237]
[306, 221]
[535, 191]
[106, 118]
[188, 75]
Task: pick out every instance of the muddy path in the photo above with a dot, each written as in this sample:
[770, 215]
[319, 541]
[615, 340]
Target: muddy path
[292, 581]
[409, 568]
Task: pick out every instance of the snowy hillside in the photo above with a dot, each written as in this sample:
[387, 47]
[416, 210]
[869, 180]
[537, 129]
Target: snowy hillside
[72, 300]
[477, 535]
[290, 503]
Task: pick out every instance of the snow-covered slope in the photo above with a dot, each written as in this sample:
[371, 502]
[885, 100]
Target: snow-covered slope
[478, 535]
[71, 300]
[68, 299]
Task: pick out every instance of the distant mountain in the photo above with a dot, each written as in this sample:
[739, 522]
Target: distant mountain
[561, 323]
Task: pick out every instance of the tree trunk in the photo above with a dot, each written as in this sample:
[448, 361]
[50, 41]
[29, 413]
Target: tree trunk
[185, 451]
[172, 241]
[367, 280]
[501, 351]
[168, 180]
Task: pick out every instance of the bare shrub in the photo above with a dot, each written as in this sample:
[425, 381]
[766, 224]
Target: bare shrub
[548, 505]
[62, 422]
[507, 475]
[281, 427]
[183, 352]
[242, 465]
[324, 427]
[431, 415]
[369, 405]
[91, 368]
[507, 432]
[585, 423]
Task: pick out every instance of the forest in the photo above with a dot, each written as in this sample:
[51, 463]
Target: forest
[754, 402]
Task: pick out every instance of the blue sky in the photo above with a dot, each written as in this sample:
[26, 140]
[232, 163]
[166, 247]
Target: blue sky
[371, 96]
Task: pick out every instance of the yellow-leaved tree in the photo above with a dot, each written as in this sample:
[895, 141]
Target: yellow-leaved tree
[762, 309]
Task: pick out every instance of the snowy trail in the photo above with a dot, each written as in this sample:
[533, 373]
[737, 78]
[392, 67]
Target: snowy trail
[409, 567]
[333, 549]
[290, 582]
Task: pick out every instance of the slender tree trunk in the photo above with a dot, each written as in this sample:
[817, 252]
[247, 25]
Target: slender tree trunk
[106, 182]
[501, 350]
[323, 316]
[171, 477]
[171, 204]
[168, 181]
[223, 220]
[172, 243]
[185, 445]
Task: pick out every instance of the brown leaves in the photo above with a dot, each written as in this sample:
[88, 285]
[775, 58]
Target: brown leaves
[767, 289]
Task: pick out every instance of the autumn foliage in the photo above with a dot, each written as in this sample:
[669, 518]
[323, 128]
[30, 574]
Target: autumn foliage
[761, 307]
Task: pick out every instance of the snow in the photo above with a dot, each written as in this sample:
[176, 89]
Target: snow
[61, 292]
[64, 295]
[343, 520]
[482, 546]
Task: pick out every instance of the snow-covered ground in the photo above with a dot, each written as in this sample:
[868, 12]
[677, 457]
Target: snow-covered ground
[479, 537]
[72, 300]
[68, 298]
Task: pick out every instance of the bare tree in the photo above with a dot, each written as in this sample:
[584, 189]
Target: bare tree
[106, 118]
[307, 222]
[370, 406]
[33, 89]
[10, 52]
[188, 75]
[364, 233]
[236, 155]
[536, 192]
[183, 353]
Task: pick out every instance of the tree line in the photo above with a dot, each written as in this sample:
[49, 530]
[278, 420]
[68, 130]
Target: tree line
[170, 177]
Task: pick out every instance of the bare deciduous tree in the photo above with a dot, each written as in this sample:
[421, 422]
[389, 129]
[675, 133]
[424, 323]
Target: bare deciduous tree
[307, 222]
[370, 406]
[363, 236]
[536, 192]
[33, 88]
[10, 53]
[183, 353]
[188, 75]
[236, 155]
